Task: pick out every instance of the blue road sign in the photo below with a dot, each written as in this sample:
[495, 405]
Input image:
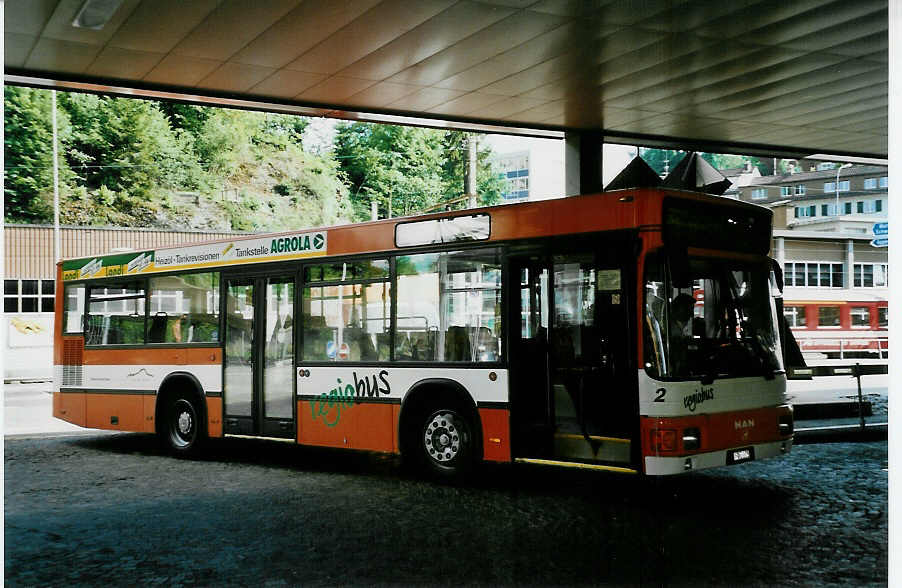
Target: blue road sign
[881, 228]
[880, 242]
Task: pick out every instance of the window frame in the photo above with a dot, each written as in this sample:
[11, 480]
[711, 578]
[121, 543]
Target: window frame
[838, 324]
[392, 256]
[38, 297]
[454, 248]
[852, 313]
[858, 276]
[799, 316]
[303, 284]
[806, 271]
[219, 309]
[123, 282]
[84, 306]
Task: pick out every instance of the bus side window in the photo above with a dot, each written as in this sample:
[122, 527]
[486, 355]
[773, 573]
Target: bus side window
[116, 314]
[449, 306]
[346, 311]
[184, 308]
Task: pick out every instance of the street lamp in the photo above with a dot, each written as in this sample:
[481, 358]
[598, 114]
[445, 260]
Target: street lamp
[836, 184]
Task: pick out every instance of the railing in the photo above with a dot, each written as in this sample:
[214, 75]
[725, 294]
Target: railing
[847, 347]
[856, 371]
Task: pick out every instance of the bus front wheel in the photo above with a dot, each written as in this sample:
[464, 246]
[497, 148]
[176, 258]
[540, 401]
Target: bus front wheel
[183, 429]
[446, 443]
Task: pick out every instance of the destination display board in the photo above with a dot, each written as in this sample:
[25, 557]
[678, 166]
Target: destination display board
[255, 250]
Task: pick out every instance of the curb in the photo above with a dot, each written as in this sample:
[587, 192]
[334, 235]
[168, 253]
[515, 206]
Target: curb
[58, 434]
[842, 434]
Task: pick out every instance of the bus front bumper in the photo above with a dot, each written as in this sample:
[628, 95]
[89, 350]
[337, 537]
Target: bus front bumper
[663, 466]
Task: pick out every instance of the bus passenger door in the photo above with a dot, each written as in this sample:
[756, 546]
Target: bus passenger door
[570, 385]
[258, 386]
[531, 400]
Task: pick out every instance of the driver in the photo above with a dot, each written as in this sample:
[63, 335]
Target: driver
[681, 314]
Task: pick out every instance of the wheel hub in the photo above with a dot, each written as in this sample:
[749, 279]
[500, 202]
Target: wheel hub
[184, 423]
[442, 437]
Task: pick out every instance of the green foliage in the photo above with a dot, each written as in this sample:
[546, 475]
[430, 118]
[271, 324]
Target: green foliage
[397, 167]
[661, 159]
[125, 161]
[28, 154]
[121, 144]
[407, 170]
[489, 186]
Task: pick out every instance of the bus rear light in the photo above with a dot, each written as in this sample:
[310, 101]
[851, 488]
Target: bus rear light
[691, 439]
[663, 440]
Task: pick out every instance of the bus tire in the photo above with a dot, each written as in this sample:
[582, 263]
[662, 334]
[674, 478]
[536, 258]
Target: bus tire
[183, 431]
[446, 443]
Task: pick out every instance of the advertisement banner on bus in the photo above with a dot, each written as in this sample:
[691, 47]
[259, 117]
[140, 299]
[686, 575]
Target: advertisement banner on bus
[270, 248]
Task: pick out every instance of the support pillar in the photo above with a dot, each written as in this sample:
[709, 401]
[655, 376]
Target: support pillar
[583, 162]
[850, 264]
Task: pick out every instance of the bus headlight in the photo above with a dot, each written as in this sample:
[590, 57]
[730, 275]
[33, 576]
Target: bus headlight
[691, 439]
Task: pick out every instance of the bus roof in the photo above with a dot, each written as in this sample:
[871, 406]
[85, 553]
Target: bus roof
[615, 210]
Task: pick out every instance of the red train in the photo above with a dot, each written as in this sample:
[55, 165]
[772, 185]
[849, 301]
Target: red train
[839, 329]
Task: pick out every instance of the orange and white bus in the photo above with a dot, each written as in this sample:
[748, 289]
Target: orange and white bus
[547, 332]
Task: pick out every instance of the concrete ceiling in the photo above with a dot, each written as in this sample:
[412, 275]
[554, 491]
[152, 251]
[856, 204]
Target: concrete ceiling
[802, 76]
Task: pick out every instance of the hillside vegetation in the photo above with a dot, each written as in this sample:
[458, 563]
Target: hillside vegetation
[138, 163]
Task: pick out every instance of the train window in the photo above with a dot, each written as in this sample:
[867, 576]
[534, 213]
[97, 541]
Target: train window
[882, 317]
[861, 316]
[827, 316]
[795, 316]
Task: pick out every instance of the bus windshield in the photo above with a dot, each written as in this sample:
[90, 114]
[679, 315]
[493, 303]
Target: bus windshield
[708, 318]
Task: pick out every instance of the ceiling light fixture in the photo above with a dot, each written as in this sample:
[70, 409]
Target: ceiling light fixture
[94, 14]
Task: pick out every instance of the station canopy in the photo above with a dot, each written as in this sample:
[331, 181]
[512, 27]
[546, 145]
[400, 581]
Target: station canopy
[752, 76]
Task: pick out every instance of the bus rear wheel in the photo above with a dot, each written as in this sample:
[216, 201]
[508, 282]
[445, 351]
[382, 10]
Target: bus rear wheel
[183, 431]
[446, 443]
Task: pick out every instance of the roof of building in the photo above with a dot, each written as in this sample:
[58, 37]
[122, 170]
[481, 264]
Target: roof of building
[828, 174]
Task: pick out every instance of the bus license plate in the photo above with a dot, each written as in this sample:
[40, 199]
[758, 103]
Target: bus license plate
[740, 455]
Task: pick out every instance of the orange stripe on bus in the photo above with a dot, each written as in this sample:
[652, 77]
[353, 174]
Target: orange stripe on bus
[152, 356]
[353, 426]
[496, 435]
[117, 412]
[214, 416]
[69, 407]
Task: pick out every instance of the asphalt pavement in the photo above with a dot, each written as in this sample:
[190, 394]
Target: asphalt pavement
[97, 508]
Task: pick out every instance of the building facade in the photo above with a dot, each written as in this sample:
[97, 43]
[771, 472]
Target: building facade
[837, 199]
[514, 171]
[836, 270]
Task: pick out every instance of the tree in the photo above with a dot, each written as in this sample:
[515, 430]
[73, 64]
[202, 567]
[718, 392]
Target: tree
[661, 160]
[123, 144]
[489, 185]
[398, 168]
[407, 170]
[664, 160]
[28, 154]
